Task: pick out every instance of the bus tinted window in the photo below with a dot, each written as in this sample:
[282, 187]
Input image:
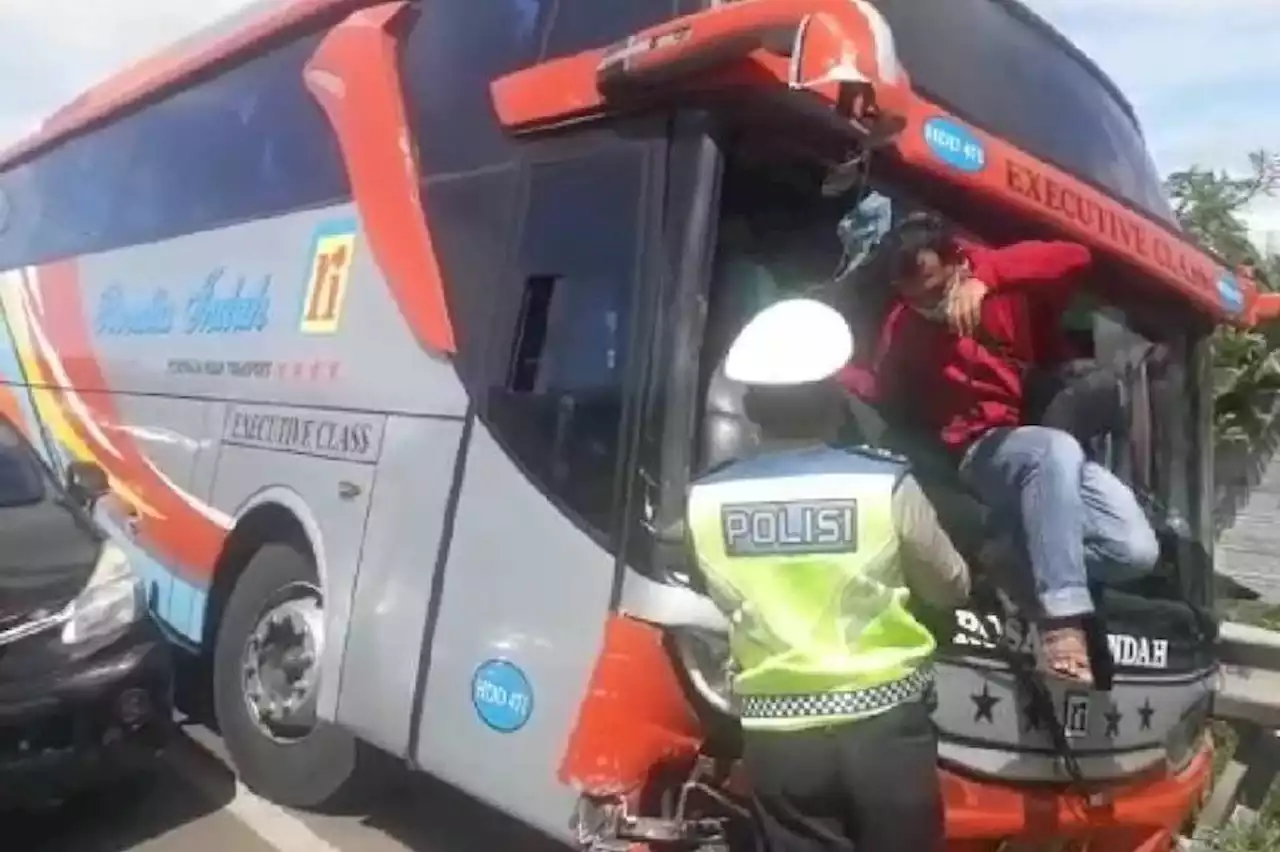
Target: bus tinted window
[244, 145]
[455, 126]
[580, 25]
[1016, 81]
[559, 404]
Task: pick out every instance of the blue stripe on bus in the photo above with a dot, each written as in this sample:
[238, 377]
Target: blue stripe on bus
[12, 375]
[177, 603]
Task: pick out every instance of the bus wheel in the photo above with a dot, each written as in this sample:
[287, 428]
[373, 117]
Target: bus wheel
[266, 670]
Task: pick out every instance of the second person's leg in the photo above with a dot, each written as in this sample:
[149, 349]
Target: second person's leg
[1034, 474]
[1120, 544]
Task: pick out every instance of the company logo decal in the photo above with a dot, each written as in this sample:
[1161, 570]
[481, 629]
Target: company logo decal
[213, 307]
[974, 631]
[956, 145]
[1230, 293]
[328, 271]
[502, 696]
[1075, 714]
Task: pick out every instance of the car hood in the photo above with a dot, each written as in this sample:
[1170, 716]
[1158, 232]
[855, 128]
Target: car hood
[47, 554]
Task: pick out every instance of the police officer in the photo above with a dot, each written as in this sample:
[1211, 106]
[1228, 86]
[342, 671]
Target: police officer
[808, 549]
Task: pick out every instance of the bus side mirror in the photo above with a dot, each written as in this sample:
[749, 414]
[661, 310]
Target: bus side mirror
[86, 482]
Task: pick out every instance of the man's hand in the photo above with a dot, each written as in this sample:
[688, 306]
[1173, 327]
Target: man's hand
[964, 306]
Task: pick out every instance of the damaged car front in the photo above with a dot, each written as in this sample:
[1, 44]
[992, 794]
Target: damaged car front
[85, 676]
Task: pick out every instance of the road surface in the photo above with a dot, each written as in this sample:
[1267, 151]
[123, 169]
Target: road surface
[199, 807]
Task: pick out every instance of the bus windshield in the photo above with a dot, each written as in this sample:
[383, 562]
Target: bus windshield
[779, 239]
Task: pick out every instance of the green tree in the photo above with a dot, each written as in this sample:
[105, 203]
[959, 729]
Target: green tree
[1247, 374]
[1209, 204]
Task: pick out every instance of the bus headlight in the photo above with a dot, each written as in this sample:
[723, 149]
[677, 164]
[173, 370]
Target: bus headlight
[110, 602]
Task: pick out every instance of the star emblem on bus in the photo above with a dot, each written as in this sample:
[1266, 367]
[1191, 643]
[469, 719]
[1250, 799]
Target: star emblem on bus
[1113, 718]
[985, 704]
[1145, 712]
[1031, 716]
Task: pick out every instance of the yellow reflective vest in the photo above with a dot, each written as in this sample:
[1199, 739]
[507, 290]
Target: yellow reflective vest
[799, 548]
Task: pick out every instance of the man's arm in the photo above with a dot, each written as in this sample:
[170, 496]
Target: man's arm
[866, 376]
[1030, 264]
[859, 381]
[933, 568]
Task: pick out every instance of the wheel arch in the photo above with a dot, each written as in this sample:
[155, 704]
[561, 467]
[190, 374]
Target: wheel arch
[273, 514]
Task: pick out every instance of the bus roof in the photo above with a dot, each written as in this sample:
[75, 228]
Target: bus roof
[1030, 17]
[240, 32]
[263, 20]
[267, 21]
[689, 56]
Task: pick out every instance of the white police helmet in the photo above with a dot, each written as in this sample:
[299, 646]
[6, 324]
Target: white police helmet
[791, 342]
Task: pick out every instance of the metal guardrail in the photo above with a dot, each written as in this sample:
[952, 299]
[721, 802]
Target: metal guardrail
[1248, 699]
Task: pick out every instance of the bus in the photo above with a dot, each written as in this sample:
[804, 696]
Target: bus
[394, 326]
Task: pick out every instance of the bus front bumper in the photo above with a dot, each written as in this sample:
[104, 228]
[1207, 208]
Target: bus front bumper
[1143, 816]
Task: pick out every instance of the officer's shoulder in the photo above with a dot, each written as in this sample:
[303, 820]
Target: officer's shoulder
[809, 461]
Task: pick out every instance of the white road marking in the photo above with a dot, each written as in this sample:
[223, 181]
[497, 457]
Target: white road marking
[275, 825]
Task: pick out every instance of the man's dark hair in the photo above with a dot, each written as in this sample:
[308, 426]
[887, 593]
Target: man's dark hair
[796, 412]
[917, 233]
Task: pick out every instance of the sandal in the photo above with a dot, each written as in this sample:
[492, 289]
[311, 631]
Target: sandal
[1065, 656]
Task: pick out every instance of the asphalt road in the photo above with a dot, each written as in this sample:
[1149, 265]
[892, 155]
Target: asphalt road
[198, 806]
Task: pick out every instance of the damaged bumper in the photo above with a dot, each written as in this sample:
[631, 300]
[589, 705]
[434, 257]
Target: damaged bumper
[71, 720]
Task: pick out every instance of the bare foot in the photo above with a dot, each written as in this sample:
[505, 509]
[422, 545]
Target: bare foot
[1065, 655]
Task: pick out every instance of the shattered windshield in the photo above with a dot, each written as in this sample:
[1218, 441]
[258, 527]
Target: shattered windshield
[807, 244]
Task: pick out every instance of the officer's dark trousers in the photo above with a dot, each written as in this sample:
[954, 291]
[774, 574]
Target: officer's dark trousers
[869, 786]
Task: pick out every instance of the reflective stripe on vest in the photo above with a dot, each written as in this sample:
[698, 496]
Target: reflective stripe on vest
[864, 702]
[800, 549]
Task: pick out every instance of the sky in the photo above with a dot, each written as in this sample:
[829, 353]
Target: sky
[1203, 75]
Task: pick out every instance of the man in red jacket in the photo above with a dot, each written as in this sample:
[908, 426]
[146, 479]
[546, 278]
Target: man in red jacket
[951, 356]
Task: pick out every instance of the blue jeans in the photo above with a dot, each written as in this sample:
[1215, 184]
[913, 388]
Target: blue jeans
[1079, 522]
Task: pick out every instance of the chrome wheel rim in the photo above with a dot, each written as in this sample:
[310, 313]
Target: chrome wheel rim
[280, 666]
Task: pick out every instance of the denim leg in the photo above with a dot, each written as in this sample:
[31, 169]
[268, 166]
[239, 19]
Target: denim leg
[1034, 474]
[1119, 543]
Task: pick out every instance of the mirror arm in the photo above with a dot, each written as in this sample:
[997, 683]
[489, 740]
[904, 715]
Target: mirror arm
[833, 60]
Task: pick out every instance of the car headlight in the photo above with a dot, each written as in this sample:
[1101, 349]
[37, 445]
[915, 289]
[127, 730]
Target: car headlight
[110, 602]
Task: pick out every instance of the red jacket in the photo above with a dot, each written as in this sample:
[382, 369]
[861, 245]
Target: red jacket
[963, 387]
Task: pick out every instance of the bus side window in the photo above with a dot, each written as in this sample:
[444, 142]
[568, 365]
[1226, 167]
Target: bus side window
[556, 400]
[578, 25]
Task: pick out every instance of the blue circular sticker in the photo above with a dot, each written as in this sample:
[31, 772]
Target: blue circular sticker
[502, 696]
[1230, 293]
[954, 144]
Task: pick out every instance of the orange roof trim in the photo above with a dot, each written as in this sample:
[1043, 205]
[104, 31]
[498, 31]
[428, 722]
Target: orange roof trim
[934, 141]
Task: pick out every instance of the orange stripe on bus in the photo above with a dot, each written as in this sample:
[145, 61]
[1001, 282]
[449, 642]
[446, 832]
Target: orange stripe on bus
[355, 76]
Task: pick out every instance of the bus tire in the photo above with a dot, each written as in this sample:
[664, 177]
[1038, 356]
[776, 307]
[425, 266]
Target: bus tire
[325, 767]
